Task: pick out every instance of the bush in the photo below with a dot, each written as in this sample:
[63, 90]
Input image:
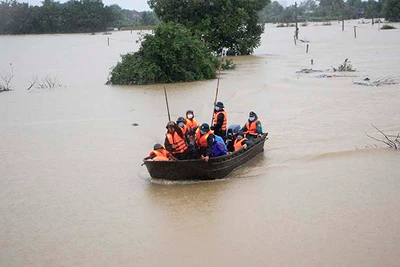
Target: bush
[171, 54]
[387, 27]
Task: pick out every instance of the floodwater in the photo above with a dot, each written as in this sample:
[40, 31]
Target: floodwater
[73, 191]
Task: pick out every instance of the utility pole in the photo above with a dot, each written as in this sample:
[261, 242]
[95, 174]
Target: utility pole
[295, 16]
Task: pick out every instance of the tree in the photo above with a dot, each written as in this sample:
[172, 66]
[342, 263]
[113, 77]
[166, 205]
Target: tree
[272, 13]
[392, 10]
[220, 23]
[171, 54]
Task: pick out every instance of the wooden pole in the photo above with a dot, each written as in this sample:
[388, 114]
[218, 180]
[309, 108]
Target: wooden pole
[355, 32]
[108, 41]
[297, 28]
[216, 90]
[342, 24]
[307, 49]
[166, 101]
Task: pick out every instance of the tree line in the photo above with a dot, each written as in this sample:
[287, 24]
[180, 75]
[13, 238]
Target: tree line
[70, 17]
[324, 10]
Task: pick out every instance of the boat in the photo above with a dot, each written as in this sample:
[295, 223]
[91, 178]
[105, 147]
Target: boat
[198, 169]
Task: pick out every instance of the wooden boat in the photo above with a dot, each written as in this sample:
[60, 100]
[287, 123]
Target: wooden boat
[198, 169]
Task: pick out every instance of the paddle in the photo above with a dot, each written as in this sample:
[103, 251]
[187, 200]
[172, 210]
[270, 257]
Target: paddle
[166, 101]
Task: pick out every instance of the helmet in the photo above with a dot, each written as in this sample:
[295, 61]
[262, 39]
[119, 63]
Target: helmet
[204, 127]
[252, 114]
[189, 111]
[157, 146]
[181, 119]
[170, 123]
[219, 104]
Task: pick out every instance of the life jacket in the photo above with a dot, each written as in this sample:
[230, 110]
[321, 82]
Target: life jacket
[215, 119]
[238, 144]
[191, 123]
[251, 127]
[180, 144]
[184, 129]
[219, 146]
[201, 140]
[162, 153]
[160, 158]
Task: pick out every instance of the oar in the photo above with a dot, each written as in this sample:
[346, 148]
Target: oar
[166, 101]
[216, 90]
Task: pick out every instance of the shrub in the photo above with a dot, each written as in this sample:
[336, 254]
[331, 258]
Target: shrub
[171, 54]
[387, 27]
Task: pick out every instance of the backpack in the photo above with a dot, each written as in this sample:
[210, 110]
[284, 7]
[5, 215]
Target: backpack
[219, 147]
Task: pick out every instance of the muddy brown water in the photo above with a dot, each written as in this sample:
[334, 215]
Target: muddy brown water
[73, 193]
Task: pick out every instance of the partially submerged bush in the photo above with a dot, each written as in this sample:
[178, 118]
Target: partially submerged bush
[227, 64]
[388, 27]
[346, 66]
[171, 54]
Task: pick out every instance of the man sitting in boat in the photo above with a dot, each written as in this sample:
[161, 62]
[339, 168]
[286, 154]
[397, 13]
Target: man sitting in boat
[231, 136]
[182, 124]
[241, 141]
[252, 129]
[191, 123]
[159, 153]
[204, 141]
[175, 141]
[220, 120]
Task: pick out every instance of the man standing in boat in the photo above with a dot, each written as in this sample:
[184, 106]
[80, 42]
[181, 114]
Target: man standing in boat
[220, 120]
[204, 141]
[175, 141]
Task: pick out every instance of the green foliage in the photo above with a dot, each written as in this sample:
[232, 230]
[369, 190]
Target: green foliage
[227, 64]
[220, 23]
[71, 16]
[346, 66]
[171, 54]
[392, 10]
[387, 27]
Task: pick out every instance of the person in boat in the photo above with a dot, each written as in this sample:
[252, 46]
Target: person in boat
[204, 141]
[231, 135]
[175, 141]
[191, 122]
[159, 153]
[220, 120]
[252, 129]
[182, 124]
[190, 138]
[241, 141]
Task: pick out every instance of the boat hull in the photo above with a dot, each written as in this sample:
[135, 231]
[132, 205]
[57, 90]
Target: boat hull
[216, 168]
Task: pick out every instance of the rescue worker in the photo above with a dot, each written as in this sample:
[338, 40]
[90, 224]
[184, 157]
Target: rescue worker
[241, 141]
[175, 141]
[182, 124]
[220, 120]
[191, 123]
[204, 141]
[159, 153]
[252, 129]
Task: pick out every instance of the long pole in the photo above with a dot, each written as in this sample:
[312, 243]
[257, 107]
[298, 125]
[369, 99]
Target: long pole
[216, 90]
[166, 101]
[297, 28]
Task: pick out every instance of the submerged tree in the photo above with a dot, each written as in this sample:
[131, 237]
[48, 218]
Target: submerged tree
[171, 54]
[220, 23]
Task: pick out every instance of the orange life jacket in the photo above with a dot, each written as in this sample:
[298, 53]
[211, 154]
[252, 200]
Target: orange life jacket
[251, 128]
[202, 140]
[157, 153]
[215, 119]
[191, 123]
[238, 144]
[175, 139]
[160, 158]
[184, 129]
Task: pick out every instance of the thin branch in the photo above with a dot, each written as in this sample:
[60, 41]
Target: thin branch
[390, 141]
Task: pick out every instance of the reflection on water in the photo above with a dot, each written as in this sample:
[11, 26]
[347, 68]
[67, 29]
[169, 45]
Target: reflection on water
[73, 192]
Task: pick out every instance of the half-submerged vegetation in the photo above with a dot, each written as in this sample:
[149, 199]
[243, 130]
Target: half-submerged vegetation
[171, 54]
